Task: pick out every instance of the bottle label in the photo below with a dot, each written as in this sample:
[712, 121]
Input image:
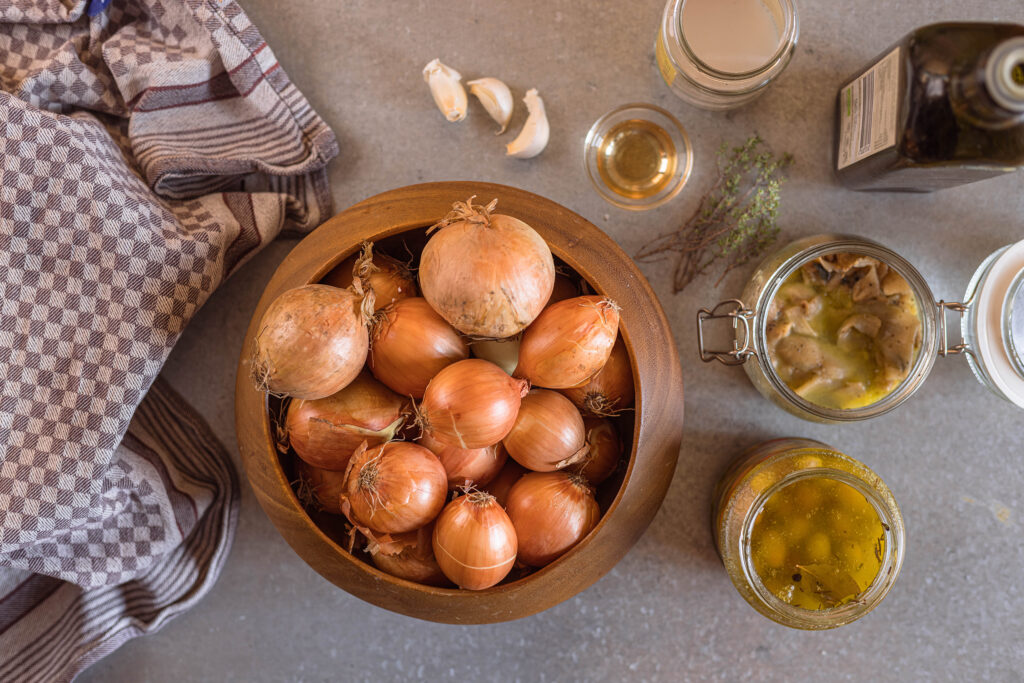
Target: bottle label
[868, 111]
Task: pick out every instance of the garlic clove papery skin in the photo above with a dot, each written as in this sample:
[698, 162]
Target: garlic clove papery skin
[533, 138]
[496, 98]
[445, 86]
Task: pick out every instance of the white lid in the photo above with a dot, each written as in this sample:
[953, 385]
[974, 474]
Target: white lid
[999, 323]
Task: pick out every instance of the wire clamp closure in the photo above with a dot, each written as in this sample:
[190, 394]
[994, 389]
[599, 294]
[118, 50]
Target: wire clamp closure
[961, 347]
[741, 317]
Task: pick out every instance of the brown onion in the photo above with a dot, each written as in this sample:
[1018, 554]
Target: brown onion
[312, 341]
[609, 391]
[552, 512]
[467, 467]
[319, 488]
[389, 278]
[502, 352]
[548, 433]
[569, 342]
[325, 432]
[471, 404]
[604, 450]
[565, 288]
[410, 344]
[489, 275]
[408, 556]
[474, 541]
[395, 488]
[506, 479]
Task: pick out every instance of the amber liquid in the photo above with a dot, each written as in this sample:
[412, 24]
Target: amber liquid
[636, 159]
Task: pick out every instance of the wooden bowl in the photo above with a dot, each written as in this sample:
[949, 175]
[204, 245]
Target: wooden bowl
[657, 425]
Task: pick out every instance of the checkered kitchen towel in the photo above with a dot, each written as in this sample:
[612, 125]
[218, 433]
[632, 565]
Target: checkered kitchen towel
[147, 149]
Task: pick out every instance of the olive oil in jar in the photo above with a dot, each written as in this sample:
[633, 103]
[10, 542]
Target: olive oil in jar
[637, 159]
[817, 543]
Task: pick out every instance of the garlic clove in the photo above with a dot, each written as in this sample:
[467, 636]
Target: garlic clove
[445, 86]
[496, 98]
[533, 138]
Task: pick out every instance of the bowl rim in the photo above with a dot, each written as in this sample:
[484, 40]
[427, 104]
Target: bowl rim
[655, 441]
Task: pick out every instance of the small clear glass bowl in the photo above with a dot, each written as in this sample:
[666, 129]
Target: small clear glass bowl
[663, 120]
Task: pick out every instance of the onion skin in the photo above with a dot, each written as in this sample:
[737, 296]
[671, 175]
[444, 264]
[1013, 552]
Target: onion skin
[548, 433]
[474, 541]
[471, 404]
[411, 344]
[312, 342]
[551, 512]
[489, 275]
[506, 479]
[389, 278]
[319, 488]
[569, 342]
[408, 556]
[565, 288]
[604, 452]
[395, 488]
[611, 390]
[467, 467]
[325, 432]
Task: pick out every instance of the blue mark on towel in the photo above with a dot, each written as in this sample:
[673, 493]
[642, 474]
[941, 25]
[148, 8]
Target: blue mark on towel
[97, 6]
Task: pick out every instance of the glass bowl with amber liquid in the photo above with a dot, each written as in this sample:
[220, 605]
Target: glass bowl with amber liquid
[810, 537]
[638, 156]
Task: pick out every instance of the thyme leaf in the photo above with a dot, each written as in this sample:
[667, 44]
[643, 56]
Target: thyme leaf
[735, 220]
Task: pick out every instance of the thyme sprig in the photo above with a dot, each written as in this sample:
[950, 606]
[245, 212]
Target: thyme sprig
[735, 220]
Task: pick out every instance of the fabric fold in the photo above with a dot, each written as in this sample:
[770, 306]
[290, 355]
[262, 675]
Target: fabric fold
[148, 148]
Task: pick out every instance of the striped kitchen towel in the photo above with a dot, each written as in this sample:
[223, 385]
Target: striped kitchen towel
[147, 149]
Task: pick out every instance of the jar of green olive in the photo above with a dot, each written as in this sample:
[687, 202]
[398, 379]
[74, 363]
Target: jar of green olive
[810, 537]
[837, 328]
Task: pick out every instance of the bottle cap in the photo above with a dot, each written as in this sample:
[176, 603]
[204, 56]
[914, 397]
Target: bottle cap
[1004, 74]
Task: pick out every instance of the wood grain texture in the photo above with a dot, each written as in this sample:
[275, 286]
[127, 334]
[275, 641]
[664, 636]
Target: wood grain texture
[659, 406]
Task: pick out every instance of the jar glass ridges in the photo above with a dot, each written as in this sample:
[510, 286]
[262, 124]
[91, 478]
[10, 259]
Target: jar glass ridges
[764, 471]
[765, 33]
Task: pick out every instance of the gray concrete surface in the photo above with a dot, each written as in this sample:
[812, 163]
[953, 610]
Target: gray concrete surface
[952, 455]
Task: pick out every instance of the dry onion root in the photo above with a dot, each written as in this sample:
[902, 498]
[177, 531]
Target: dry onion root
[388, 278]
[467, 466]
[474, 541]
[487, 274]
[569, 342]
[318, 488]
[611, 390]
[551, 512]
[312, 341]
[394, 488]
[548, 433]
[408, 556]
[412, 343]
[325, 432]
[471, 404]
[604, 450]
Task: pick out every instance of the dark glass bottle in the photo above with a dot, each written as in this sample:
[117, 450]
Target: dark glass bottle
[942, 107]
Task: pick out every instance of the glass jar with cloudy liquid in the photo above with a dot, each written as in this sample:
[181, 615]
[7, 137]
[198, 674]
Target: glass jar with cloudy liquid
[721, 54]
[991, 324]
